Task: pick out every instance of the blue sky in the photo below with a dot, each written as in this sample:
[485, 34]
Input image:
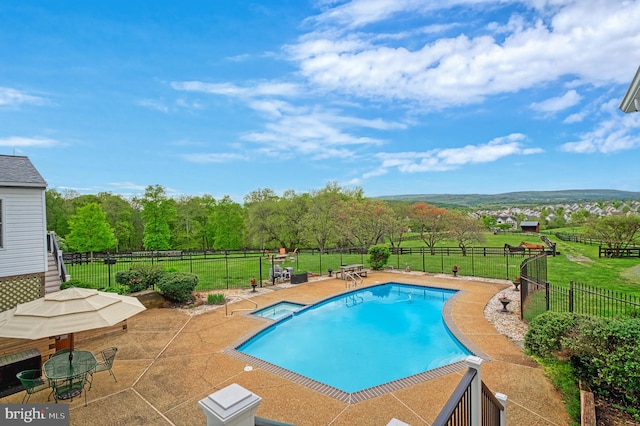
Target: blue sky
[394, 96]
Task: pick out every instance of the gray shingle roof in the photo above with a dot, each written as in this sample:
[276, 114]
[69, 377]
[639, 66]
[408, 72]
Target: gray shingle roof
[18, 171]
[528, 223]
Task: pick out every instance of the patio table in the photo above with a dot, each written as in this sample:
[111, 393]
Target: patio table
[59, 368]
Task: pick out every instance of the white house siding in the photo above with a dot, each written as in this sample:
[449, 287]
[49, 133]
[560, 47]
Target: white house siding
[24, 250]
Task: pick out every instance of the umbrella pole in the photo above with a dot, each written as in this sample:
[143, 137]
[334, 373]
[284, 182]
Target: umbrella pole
[71, 345]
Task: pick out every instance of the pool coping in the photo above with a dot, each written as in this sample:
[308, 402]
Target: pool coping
[373, 391]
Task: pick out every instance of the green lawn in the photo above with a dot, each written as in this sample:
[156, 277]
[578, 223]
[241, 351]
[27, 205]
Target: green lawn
[577, 262]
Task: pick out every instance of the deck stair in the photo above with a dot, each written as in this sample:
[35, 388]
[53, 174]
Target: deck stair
[52, 279]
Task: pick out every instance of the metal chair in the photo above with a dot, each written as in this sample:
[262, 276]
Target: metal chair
[105, 363]
[70, 388]
[32, 382]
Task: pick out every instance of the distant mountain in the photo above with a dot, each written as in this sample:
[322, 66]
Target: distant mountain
[523, 198]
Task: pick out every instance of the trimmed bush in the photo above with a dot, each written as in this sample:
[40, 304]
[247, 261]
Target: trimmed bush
[75, 283]
[140, 277]
[606, 356]
[378, 256]
[547, 332]
[604, 353]
[119, 290]
[177, 286]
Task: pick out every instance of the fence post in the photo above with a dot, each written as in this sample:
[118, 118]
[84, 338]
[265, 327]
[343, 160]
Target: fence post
[226, 267]
[503, 413]
[475, 416]
[571, 296]
[546, 295]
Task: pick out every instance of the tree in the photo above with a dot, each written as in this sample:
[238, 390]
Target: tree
[617, 232]
[465, 230]
[364, 222]
[190, 227]
[121, 216]
[490, 222]
[57, 217]
[157, 212]
[400, 224]
[320, 221]
[431, 222]
[90, 231]
[227, 220]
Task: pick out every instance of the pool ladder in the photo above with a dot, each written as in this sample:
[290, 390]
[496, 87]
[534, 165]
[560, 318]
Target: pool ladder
[353, 276]
[226, 311]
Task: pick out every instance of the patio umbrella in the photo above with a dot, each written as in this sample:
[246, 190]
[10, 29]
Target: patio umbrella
[67, 312]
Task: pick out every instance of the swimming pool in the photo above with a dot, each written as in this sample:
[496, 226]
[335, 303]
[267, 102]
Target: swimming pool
[278, 310]
[363, 338]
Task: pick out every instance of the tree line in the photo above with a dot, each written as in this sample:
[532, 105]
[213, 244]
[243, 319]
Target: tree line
[322, 219]
[330, 217]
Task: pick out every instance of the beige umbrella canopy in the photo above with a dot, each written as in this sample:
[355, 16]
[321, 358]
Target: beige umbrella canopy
[66, 312]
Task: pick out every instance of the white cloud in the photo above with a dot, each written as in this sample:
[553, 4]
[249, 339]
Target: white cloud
[154, 105]
[228, 89]
[559, 103]
[128, 185]
[12, 97]
[527, 50]
[16, 141]
[437, 160]
[614, 134]
[222, 157]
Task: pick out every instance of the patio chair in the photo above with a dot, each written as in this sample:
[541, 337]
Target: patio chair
[105, 363]
[32, 382]
[292, 255]
[70, 388]
[275, 274]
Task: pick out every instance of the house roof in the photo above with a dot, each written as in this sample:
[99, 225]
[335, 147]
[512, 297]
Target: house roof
[17, 171]
[528, 224]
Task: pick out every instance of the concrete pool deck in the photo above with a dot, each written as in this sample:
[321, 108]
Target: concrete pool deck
[169, 360]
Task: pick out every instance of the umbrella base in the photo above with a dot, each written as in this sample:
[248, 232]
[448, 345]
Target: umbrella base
[70, 395]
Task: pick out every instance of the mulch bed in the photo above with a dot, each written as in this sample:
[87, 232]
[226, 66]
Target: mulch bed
[608, 415]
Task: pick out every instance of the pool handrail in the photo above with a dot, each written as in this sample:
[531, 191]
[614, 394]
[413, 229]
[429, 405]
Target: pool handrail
[226, 312]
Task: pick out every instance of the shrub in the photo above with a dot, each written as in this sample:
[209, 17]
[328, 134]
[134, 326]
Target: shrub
[140, 277]
[177, 286]
[606, 355]
[547, 332]
[215, 299]
[378, 256]
[75, 283]
[119, 290]
[603, 353]
[132, 278]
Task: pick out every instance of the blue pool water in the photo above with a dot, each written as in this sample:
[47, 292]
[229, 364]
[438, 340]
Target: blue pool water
[279, 310]
[363, 338]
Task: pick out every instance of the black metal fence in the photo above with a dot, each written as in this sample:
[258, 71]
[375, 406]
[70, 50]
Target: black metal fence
[538, 295]
[226, 269]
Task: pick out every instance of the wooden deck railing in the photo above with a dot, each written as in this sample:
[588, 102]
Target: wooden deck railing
[472, 403]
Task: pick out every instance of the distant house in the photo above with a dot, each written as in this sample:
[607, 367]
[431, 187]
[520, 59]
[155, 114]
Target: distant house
[530, 226]
[24, 259]
[507, 220]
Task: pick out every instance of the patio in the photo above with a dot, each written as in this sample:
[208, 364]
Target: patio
[169, 360]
